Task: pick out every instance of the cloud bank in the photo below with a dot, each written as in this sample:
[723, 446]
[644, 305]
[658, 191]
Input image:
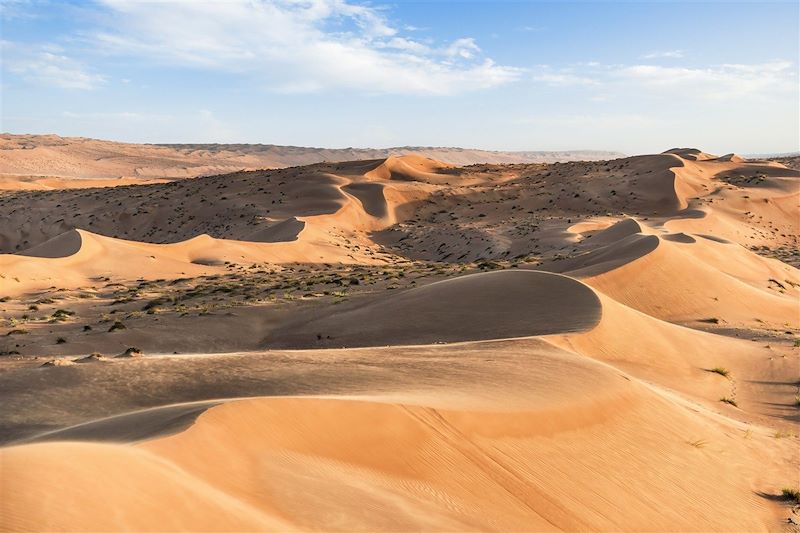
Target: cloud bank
[298, 46]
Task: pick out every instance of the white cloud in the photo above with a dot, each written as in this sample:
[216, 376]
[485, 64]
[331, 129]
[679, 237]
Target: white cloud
[463, 48]
[48, 65]
[298, 45]
[668, 54]
[716, 82]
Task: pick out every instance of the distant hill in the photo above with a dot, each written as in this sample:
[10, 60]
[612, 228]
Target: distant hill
[789, 160]
[29, 161]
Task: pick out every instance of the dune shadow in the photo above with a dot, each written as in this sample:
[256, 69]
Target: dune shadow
[285, 231]
[371, 197]
[493, 305]
[131, 427]
[63, 245]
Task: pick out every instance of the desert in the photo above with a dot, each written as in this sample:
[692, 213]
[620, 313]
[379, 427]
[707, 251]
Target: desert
[405, 344]
[434, 266]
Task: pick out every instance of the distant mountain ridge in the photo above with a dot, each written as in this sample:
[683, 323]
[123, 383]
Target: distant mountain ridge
[453, 155]
[26, 158]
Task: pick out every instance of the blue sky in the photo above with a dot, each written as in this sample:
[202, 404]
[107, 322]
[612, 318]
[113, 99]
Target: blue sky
[637, 77]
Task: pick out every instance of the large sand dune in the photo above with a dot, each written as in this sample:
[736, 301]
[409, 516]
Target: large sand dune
[278, 464]
[683, 278]
[494, 305]
[401, 344]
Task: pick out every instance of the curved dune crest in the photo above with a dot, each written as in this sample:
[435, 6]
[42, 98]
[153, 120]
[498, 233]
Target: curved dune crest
[609, 257]
[733, 158]
[692, 154]
[663, 182]
[75, 257]
[133, 426]
[679, 237]
[285, 231]
[680, 278]
[493, 305]
[685, 277]
[409, 168]
[371, 197]
[64, 245]
[617, 231]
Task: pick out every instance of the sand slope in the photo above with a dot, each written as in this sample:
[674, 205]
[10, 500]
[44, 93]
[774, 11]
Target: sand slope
[347, 465]
[683, 277]
[494, 305]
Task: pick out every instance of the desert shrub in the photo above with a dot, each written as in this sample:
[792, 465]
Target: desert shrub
[62, 314]
[721, 371]
[729, 401]
[791, 494]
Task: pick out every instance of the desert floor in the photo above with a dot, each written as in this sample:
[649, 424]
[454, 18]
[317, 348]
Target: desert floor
[400, 344]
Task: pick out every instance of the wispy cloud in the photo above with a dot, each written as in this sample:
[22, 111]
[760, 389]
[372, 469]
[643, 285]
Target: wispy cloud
[668, 54]
[298, 45]
[716, 82]
[47, 64]
[16, 9]
[568, 76]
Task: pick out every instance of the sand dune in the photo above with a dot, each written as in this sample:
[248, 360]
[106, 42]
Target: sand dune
[409, 168]
[78, 257]
[250, 204]
[686, 281]
[577, 346]
[288, 230]
[345, 465]
[692, 154]
[681, 359]
[682, 277]
[494, 305]
[431, 212]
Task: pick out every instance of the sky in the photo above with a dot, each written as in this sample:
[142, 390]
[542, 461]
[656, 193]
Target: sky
[637, 77]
